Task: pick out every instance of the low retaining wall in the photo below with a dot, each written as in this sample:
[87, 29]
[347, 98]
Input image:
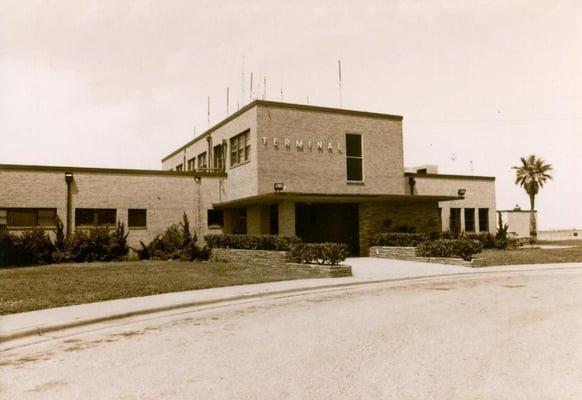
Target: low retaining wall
[249, 256]
[274, 258]
[409, 254]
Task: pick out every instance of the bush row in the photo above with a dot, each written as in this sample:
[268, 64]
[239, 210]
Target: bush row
[319, 253]
[176, 243]
[395, 239]
[36, 247]
[487, 240]
[464, 248]
[252, 242]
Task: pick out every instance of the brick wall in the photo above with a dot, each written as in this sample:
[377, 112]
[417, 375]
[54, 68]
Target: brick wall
[165, 197]
[480, 193]
[324, 171]
[387, 217]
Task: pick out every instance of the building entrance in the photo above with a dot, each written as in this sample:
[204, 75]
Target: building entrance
[328, 222]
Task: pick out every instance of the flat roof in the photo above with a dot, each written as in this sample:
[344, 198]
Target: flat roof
[449, 176]
[278, 104]
[53, 168]
[298, 197]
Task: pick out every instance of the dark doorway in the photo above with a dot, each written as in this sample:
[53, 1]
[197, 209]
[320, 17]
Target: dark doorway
[274, 219]
[325, 222]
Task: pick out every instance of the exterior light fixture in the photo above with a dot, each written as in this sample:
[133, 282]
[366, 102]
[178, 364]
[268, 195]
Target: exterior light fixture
[411, 183]
[68, 177]
[197, 178]
[279, 186]
[462, 192]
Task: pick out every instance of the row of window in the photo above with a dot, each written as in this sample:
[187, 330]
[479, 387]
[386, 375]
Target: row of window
[240, 152]
[455, 220]
[46, 217]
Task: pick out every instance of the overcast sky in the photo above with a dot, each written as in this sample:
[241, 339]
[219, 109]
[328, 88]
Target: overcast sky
[123, 83]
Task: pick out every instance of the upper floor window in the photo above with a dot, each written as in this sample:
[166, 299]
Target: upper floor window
[192, 164]
[218, 157]
[240, 149]
[29, 217]
[202, 161]
[354, 157]
[95, 216]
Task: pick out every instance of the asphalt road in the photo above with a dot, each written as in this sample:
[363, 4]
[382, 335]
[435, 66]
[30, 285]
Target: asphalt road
[499, 336]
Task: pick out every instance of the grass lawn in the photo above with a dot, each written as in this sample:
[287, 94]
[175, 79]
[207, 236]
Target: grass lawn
[34, 288]
[532, 256]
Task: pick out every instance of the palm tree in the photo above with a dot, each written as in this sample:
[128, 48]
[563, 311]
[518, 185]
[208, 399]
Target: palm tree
[531, 175]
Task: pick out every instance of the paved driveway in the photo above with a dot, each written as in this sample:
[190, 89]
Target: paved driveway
[514, 335]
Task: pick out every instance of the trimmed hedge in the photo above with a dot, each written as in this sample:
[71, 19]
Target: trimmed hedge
[252, 242]
[463, 248]
[319, 253]
[394, 239]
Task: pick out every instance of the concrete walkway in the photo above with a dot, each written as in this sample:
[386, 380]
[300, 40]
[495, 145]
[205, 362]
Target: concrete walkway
[365, 270]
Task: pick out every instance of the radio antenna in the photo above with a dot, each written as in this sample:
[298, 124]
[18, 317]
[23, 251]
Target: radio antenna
[339, 64]
[227, 99]
[209, 111]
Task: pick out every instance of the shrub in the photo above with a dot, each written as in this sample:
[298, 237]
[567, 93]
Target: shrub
[485, 238]
[252, 242]
[176, 243]
[502, 241]
[97, 244]
[397, 239]
[320, 253]
[31, 247]
[463, 248]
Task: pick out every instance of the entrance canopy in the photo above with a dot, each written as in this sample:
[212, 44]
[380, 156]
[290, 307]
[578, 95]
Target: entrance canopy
[297, 197]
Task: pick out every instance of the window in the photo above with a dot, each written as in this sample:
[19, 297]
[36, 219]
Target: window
[455, 220]
[218, 157]
[192, 164]
[137, 218]
[3, 217]
[354, 158]
[483, 220]
[28, 217]
[179, 167]
[95, 216]
[240, 149]
[215, 217]
[469, 220]
[202, 161]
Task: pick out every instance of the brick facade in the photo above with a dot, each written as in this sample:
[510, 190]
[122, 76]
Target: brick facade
[302, 147]
[389, 217]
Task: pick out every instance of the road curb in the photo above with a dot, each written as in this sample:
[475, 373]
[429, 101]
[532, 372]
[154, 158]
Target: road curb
[22, 333]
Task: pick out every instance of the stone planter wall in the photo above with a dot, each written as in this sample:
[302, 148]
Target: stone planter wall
[270, 257]
[409, 254]
[275, 258]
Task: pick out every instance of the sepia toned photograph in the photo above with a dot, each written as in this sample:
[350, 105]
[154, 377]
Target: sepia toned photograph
[290, 199]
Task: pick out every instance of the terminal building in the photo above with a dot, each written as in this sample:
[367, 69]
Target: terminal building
[323, 174]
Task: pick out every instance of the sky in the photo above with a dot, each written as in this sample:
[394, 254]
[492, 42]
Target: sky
[123, 83]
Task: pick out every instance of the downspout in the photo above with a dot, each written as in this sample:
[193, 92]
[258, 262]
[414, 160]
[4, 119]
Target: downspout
[69, 180]
[411, 183]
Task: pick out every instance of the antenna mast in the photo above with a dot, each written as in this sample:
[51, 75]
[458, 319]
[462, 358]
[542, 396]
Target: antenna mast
[227, 99]
[265, 89]
[208, 111]
[243, 79]
[251, 91]
[339, 64]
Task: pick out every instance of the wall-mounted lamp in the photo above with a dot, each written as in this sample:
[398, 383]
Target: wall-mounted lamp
[197, 178]
[462, 192]
[68, 177]
[411, 183]
[279, 186]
